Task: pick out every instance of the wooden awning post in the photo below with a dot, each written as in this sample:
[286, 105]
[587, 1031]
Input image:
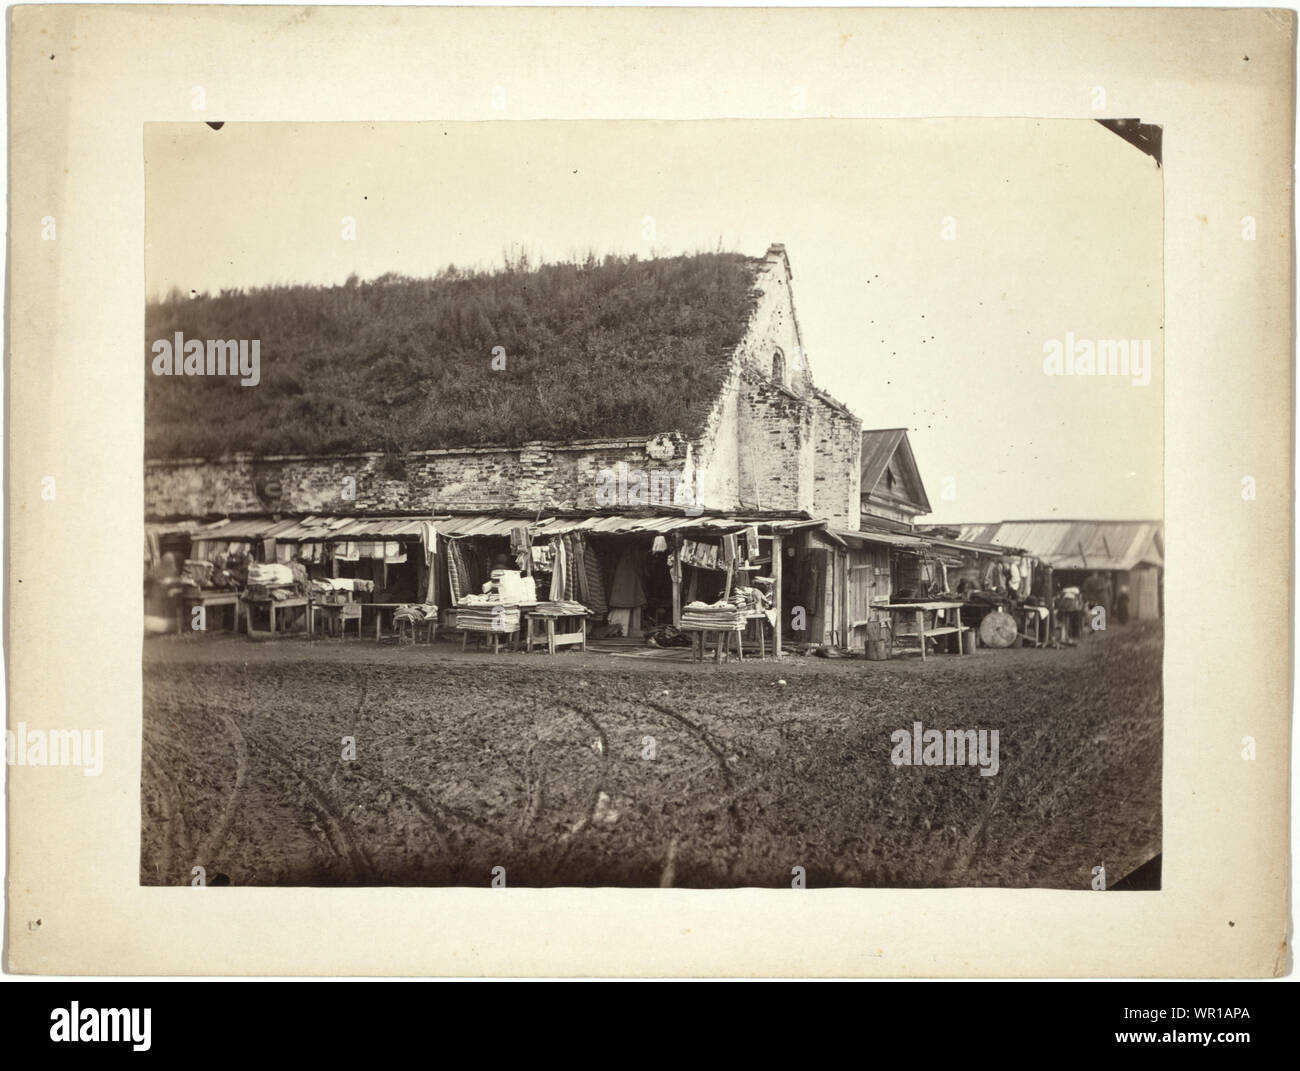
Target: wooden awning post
[776, 594]
[677, 581]
[1051, 605]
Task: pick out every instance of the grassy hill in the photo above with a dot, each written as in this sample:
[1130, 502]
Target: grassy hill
[618, 346]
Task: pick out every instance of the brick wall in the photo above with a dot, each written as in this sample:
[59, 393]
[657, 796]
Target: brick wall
[576, 475]
[774, 445]
[837, 472]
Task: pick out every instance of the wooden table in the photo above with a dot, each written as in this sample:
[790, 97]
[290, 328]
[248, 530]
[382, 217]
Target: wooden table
[379, 617]
[919, 610]
[761, 617]
[545, 631]
[721, 652]
[272, 605]
[333, 618]
[186, 603]
[451, 619]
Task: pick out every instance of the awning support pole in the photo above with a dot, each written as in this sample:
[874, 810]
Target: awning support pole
[776, 595]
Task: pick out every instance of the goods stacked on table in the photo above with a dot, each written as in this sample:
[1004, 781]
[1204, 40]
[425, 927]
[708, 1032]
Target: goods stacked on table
[511, 586]
[560, 609]
[416, 612]
[726, 615]
[271, 582]
[487, 616]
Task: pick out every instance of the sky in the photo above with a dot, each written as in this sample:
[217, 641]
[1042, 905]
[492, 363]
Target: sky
[933, 260]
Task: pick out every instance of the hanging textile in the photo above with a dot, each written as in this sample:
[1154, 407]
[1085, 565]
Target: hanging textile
[394, 552]
[429, 540]
[456, 571]
[627, 590]
[751, 542]
[559, 572]
[521, 546]
[595, 598]
[578, 556]
[429, 537]
[572, 566]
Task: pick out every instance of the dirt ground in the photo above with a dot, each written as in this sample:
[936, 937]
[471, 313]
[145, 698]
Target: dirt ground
[591, 769]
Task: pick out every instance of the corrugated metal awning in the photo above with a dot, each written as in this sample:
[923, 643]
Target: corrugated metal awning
[480, 524]
[889, 539]
[245, 529]
[626, 525]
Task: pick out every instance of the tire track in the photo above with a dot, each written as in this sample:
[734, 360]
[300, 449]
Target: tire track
[217, 838]
[168, 800]
[340, 836]
[568, 838]
[738, 828]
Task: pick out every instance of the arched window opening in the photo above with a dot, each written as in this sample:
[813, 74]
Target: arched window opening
[778, 368]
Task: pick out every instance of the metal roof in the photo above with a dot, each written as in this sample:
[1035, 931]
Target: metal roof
[657, 525]
[324, 528]
[484, 524]
[244, 529]
[890, 539]
[1077, 544]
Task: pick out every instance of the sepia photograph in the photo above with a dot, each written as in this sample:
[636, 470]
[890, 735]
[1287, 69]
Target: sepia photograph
[648, 493]
[654, 504]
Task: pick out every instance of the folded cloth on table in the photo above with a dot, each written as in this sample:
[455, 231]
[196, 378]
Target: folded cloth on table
[713, 616]
[568, 608]
[270, 574]
[484, 617]
[417, 612]
[349, 583]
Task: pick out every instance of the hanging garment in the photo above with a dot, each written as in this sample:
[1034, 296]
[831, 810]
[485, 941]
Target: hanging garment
[659, 546]
[429, 539]
[457, 577]
[627, 589]
[284, 552]
[578, 551]
[595, 600]
[559, 570]
[573, 566]
[751, 542]
[268, 550]
[992, 576]
[521, 546]
[728, 550]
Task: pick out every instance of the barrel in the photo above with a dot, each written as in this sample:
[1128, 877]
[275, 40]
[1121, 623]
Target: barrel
[877, 650]
[969, 638]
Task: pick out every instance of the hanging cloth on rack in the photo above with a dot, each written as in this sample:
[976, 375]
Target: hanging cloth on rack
[457, 579]
[595, 598]
[627, 589]
[521, 546]
[559, 571]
